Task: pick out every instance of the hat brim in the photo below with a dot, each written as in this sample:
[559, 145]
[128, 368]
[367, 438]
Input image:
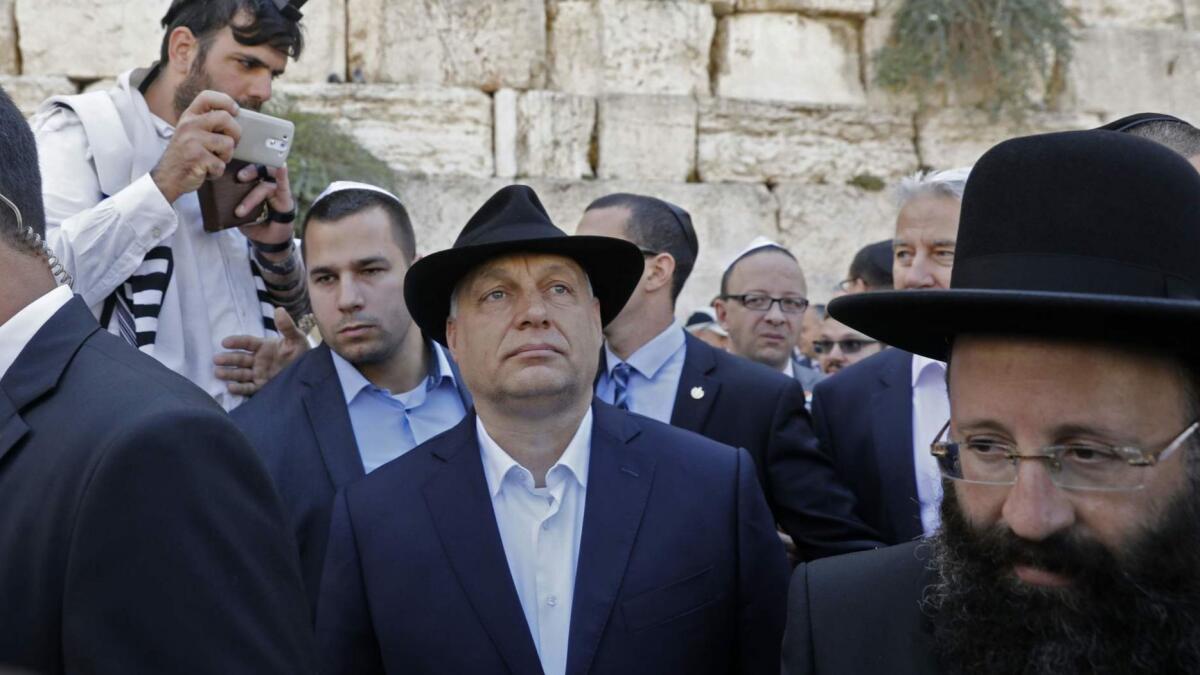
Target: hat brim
[614, 268]
[926, 322]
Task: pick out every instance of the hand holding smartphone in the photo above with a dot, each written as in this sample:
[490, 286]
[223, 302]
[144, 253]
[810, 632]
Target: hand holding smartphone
[266, 141]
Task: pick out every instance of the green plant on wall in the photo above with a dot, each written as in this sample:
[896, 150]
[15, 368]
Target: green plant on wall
[991, 52]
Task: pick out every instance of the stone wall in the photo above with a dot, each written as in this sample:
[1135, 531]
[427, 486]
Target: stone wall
[758, 116]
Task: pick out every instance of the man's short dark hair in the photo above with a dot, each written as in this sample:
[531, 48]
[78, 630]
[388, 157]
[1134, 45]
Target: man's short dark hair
[1178, 136]
[206, 17]
[769, 248]
[659, 226]
[348, 203]
[20, 178]
[873, 264]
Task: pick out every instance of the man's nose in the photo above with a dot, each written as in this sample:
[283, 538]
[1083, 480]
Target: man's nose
[1036, 508]
[775, 313]
[533, 309]
[350, 297]
[920, 274]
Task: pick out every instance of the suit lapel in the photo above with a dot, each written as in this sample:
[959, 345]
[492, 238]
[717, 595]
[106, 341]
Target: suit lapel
[697, 388]
[892, 413]
[330, 418]
[619, 480]
[462, 513]
[39, 367]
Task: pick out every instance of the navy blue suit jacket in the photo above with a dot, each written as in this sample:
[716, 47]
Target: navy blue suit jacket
[680, 570]
[863, 419]
[748, 405]
[139, 532]
[300, 425]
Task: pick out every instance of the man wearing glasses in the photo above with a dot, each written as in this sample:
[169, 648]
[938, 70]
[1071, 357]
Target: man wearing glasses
[1070, 537]
[653, 367]
[838, 346]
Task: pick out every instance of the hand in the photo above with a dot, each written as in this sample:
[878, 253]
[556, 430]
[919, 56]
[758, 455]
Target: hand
[201, 147]
[258, 360]
[279, 195]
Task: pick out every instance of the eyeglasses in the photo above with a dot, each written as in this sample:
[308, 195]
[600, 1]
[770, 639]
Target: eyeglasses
[848, 346]
[760, 302]
[1072, 466]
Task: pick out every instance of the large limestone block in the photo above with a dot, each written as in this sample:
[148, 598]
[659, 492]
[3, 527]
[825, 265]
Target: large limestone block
[10, 63]
[88, 39]
[28, 92]
[324, 54]
[651, 137]
[788, 57]
[467, 43]
[726, 217]
[760, 142]
[631, 46]
[1127, 13]
[958, 137]
[847, 7]
[554, 134]
[825, 225]
[1121, 71]
[421, 130]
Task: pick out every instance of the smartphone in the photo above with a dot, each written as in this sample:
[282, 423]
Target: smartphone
[265, 139]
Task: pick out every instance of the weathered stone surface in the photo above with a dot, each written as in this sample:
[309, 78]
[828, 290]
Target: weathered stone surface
[951, 138]
[787, 57]
[417, 130]
[726, 217]
[651, 137]
[9, 59]
[87, 39]
[468, 43]
[324, 44]
[760, 142]
[850, 7]
[28, 92]
[634, 47]
[505, 131]
[825, 225]
[1126, 13]
[1117, 72]
[554, 134]
[723, 7]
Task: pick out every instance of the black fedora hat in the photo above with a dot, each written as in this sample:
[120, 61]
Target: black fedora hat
[514, 221]
[1084, 234]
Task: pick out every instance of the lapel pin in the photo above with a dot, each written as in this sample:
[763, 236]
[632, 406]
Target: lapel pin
[697, 393]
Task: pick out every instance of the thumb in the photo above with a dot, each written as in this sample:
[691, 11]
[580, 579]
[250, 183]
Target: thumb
[286, 326]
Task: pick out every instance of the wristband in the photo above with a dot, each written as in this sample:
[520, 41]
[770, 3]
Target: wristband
[281, 216]
[272, 248]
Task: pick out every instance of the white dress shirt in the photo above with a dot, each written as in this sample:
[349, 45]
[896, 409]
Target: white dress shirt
[657, 368]
[541, 529]
[16, 333]
[931, 409]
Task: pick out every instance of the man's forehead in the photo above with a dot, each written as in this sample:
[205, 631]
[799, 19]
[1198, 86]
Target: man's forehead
[536, 264]
[769, 266]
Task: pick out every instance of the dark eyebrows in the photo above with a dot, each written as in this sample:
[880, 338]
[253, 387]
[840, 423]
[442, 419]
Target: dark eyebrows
[356, 264]
[255, 62]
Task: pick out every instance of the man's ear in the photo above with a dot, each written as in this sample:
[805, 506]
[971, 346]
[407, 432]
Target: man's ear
[182, 49]
[660, 271]
[452, 337]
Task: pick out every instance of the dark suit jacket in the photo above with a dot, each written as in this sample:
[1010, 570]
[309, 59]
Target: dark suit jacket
[301, 427]
[860, 614]
[139, 531]
[748, 405]
[863, 419]
[679, 570]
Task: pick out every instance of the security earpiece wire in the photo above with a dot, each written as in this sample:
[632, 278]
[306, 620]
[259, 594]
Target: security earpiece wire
[37, 245]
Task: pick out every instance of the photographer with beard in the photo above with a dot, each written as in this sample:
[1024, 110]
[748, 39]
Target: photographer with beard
[122, 168]
[1070, 537]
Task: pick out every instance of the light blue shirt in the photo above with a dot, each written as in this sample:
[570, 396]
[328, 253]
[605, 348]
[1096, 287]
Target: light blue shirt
[657, 367]
[387, 425]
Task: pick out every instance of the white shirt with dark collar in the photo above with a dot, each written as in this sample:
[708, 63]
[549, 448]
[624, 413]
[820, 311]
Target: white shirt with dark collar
[541, 530]
[16, 333]
[931, 409]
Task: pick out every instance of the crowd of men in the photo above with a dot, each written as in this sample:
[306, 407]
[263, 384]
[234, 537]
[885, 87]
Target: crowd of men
[510, 456]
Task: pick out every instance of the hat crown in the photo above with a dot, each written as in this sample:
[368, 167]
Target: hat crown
[1093, 212]
[512, 214]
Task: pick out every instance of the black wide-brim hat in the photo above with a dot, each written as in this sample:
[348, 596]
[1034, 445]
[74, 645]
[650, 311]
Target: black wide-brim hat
[1082, 234]
[514, 221]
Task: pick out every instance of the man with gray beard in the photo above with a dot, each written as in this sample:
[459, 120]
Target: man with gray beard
[1071, 530]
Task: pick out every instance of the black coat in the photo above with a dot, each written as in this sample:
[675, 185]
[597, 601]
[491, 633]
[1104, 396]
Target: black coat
[139, 531]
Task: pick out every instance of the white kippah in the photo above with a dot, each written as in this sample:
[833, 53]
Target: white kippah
[343, 185]
[759, 242]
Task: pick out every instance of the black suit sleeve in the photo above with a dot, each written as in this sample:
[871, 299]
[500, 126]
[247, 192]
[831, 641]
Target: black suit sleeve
[810, 502]
[762, 577]
[180, 560]
[797, 640]
[345, 635]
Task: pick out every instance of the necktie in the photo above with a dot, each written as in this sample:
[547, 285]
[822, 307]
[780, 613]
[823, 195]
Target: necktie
[620, 378]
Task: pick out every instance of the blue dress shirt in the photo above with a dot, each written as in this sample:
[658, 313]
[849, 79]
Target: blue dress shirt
[387, 425]
[657, 367]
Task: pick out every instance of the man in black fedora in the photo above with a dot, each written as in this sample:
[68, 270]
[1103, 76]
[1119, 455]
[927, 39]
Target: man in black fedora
[548, 532]
[1070, 538]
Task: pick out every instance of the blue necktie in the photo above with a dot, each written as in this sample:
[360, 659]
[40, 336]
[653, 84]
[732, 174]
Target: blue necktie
[620, 378]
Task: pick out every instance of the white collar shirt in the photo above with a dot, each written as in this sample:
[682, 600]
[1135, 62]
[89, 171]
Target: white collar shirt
[18, 331]
[657, 368]
[931, 409]
[541, 529]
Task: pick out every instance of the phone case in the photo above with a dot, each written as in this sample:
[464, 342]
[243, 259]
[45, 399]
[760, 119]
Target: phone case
[220, 196]
[265, 139]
